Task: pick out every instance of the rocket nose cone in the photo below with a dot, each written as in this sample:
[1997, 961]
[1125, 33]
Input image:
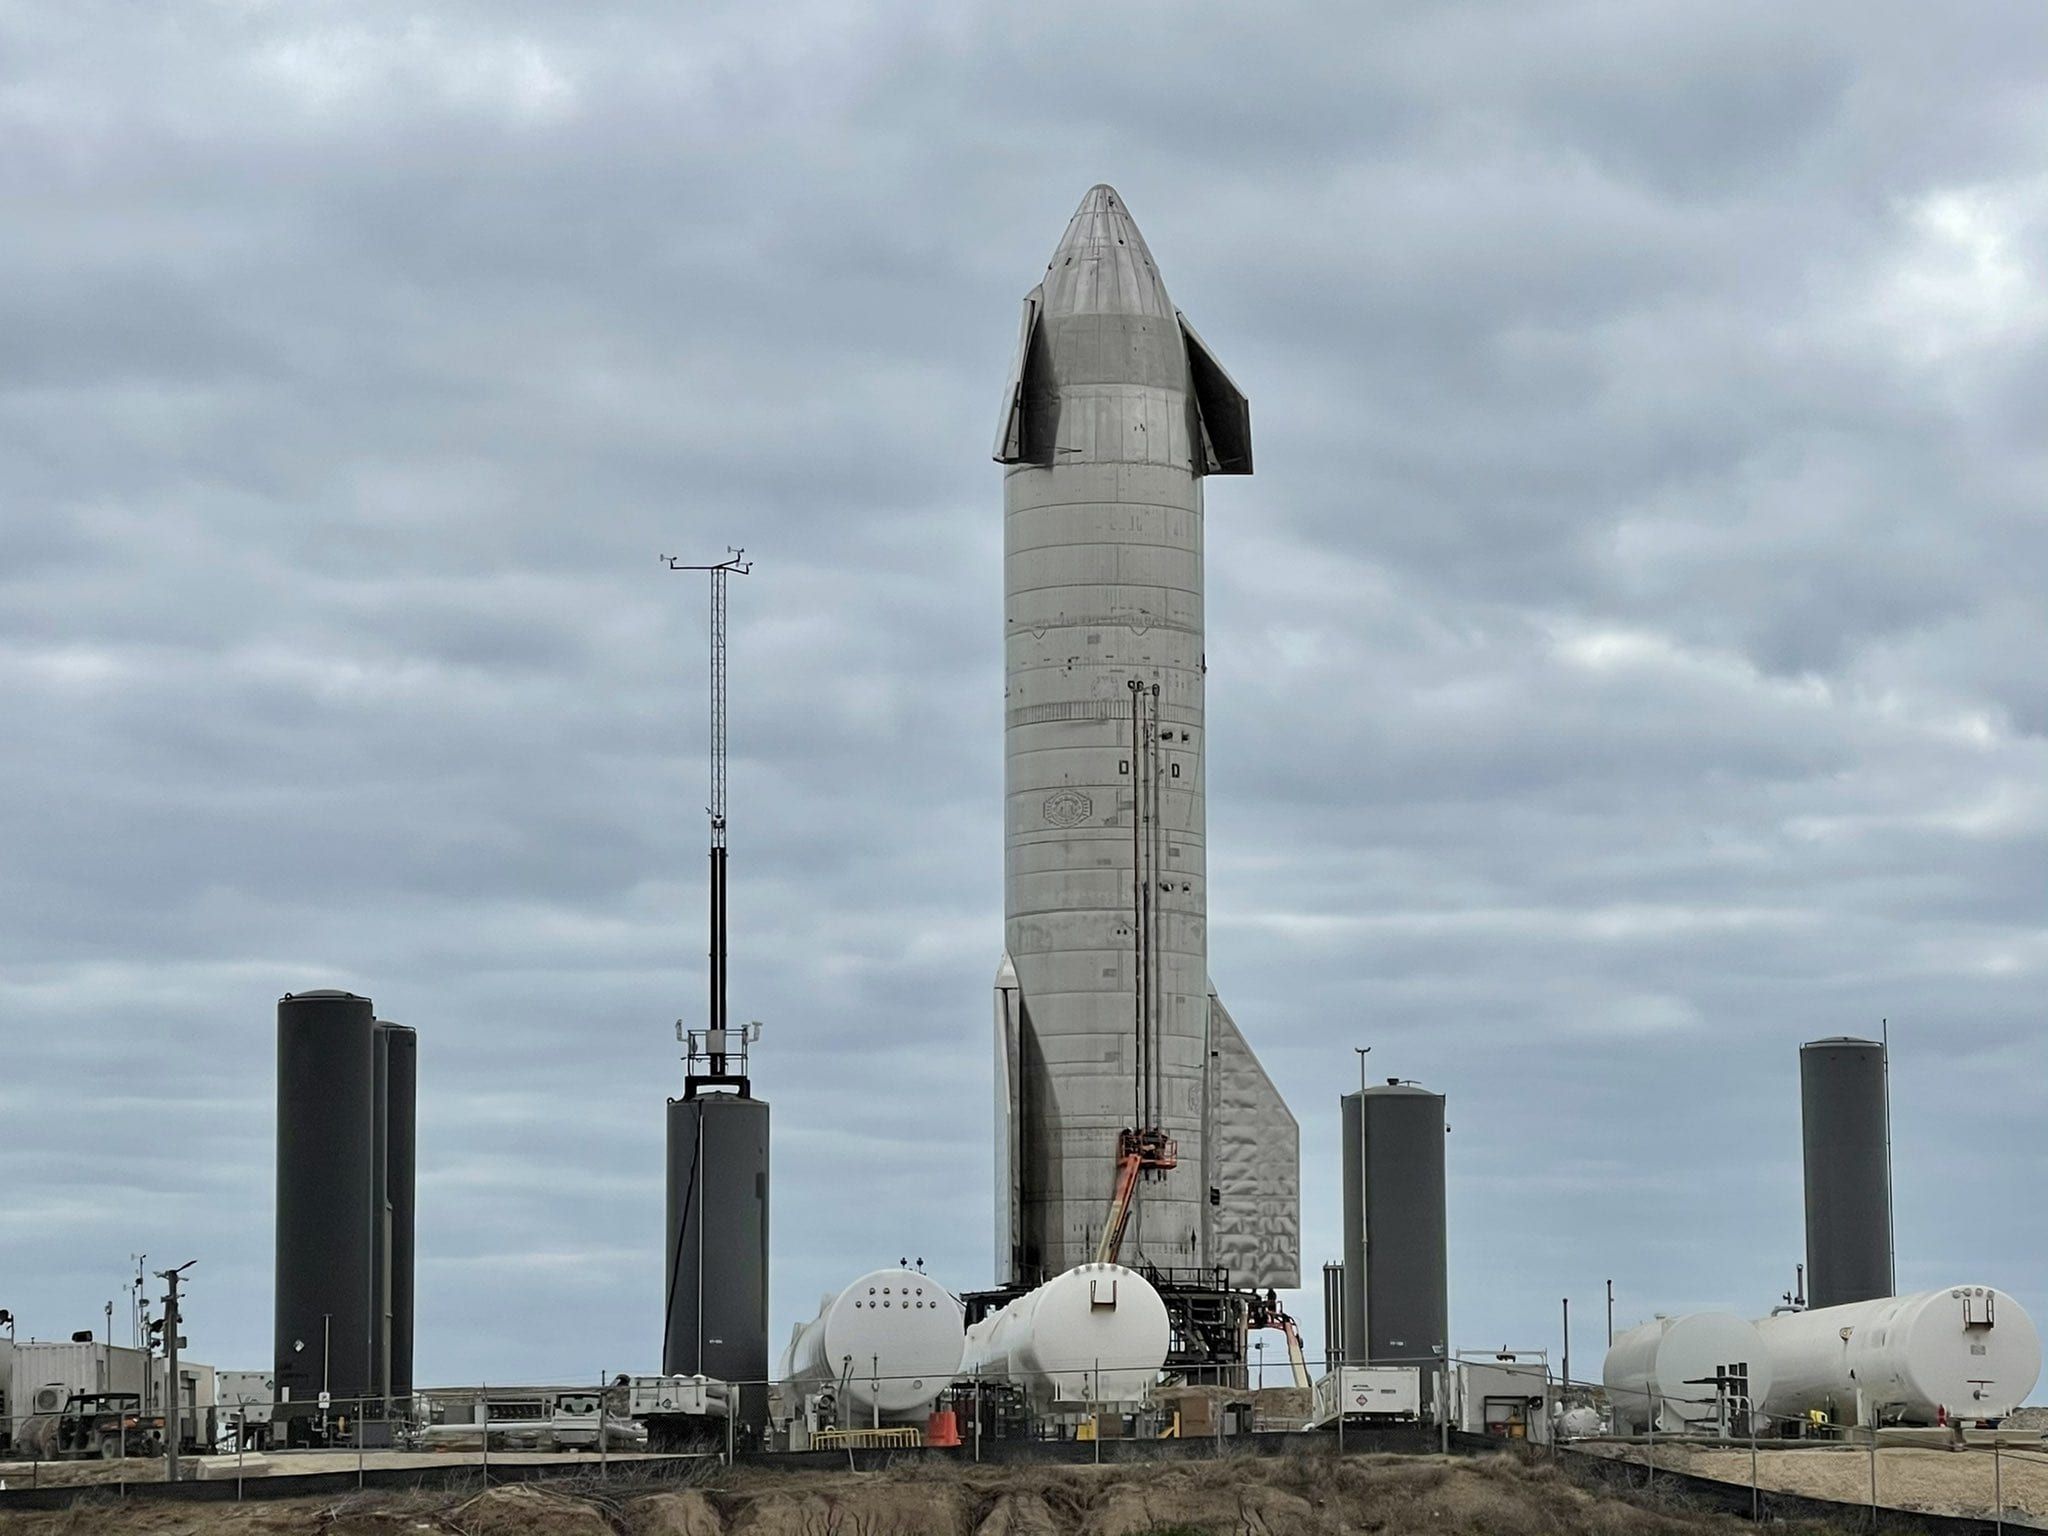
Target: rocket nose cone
[1102, 262]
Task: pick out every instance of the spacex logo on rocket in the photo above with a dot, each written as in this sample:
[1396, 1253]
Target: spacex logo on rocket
[1135, 1122]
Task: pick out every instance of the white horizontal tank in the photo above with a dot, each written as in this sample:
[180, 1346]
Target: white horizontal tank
[888, 1344]
[1096, 1334]
[1669, 1365]
[1969, 1351]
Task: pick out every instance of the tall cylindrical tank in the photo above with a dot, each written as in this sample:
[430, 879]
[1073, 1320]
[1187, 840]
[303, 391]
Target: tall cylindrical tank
[1700, 1372]
[889, 1344]
[1396, 1268]
[1096, 1334]
[1968, 1352]
[325, 1334]
[717, 1265]
[401, 1122]
[1846, 1130]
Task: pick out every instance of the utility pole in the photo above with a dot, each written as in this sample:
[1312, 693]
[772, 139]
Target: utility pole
[731, 565]
[137, 1305]
[1567, 1346]
[1610, 1314]
[173, 1401]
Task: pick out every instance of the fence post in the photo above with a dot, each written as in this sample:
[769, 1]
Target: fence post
[1997, 1488]
[483, 1407]
[1650, 1450]
[603, 1458]
[1095, 1411]
[977, 1413]
[359, 1442]
[1873, 1477]
[1342, 1399]
[1753, 1496]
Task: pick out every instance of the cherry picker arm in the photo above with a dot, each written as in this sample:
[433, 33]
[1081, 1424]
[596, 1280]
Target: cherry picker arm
[1137, 1152]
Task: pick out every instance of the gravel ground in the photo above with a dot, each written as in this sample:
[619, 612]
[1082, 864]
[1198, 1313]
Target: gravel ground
[1944, 1482]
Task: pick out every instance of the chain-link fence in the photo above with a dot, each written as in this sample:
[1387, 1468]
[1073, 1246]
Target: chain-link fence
[1094, 1409]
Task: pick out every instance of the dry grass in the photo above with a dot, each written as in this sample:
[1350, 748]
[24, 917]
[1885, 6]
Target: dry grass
[1307, 1494]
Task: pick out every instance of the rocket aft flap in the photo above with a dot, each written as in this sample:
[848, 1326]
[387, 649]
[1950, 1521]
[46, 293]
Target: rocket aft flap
[1106, 1021]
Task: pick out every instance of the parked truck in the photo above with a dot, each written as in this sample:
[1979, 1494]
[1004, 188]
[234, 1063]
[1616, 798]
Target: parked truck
[107, 1425]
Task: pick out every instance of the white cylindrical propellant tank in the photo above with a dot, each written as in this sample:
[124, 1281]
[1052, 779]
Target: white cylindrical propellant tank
[1969, 1351]
[1667, 1368]
[888, 1344]
[1096, 1334]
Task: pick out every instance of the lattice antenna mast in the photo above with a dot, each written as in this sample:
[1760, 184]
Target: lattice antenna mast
[732, 565]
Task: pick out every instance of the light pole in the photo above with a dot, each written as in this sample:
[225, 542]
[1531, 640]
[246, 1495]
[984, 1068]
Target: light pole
[1363, 1052]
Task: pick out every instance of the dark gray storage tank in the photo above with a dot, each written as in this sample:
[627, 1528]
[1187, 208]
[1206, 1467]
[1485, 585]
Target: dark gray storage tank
[400, 1061]
[717, 1283]
[1396, 1282]
[1846, 1123]
[326, 1148]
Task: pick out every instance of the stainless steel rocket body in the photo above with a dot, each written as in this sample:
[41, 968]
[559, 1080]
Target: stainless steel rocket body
[1116, 413]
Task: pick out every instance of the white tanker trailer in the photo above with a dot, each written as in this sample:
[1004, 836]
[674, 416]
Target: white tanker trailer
[1097, 1334]
[1701, 1373]
[883, 1349]
[1969, 1352]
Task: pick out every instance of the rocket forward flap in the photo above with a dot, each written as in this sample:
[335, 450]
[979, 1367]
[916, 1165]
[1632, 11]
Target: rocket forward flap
[1011, 447]
[1225, 412]
[1253, 1151]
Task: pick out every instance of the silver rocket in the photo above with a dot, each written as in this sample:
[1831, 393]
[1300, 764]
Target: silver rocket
[1109, 1032]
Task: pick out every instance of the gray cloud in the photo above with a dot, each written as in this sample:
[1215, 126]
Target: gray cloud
[1622, 665]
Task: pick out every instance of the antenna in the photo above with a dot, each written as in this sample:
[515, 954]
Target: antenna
[732, 565]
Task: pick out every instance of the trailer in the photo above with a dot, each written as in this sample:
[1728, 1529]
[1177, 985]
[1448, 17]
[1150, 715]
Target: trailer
[1380, 1394]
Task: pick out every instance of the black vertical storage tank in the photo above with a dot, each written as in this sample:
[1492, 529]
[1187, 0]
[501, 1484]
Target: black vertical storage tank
[1396, 1280]
[380, 1220]
[717, 1287]
[1846, 1128]
[401, 1120]
[326, 1131]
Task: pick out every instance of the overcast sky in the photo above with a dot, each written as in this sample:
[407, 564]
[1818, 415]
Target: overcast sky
[1625, 664]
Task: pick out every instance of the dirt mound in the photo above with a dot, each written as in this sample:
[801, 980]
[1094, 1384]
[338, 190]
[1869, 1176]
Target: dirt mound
[881, 1507]
[1186, 1499]
[1307, 1494]
[675, 1514]
[528, 1510]
[1019, 1514]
